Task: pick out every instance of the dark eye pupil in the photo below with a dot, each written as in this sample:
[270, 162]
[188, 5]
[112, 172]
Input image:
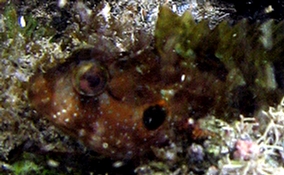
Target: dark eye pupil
[154, 116]
[93, 80]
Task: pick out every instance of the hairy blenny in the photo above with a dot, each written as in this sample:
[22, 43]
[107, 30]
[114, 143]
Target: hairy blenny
[121, 104]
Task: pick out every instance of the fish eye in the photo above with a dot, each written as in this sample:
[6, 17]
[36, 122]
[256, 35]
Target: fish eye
[154, 116]
[90, 78]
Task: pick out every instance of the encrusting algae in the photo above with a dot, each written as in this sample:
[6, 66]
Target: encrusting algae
[121, 102]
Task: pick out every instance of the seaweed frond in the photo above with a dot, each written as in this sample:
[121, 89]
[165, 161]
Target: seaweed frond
[238, 61]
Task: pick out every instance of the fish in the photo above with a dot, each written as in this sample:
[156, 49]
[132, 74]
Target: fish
[111, 108]
[122, 103]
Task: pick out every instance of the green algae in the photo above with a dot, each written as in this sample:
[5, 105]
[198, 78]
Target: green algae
[239, 59]
[31, 30]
